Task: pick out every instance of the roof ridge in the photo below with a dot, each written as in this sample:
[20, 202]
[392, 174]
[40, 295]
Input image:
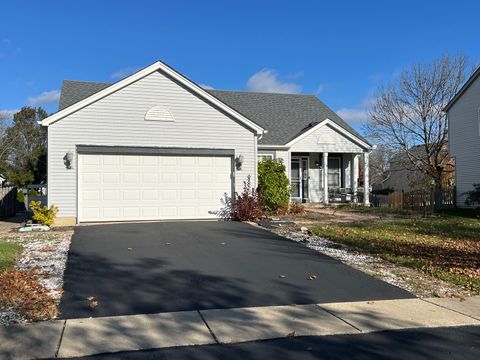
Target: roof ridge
[88, 82]
[259, 92]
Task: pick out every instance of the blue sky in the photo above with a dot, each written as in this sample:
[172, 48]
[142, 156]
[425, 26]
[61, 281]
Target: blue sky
[339, 50]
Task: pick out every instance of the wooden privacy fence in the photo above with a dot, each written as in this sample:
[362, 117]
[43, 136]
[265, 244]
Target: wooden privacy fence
[434, 199]
[8, 201]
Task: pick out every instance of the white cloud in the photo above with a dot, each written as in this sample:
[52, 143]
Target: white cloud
[359, 114]
[266, 80]
[320, 88]
[46, 97]
[206, 87]
[353, 115]
[124, 72]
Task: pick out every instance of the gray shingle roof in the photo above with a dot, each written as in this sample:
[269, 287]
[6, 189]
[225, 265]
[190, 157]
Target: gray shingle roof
[284, 116]
[74, 91]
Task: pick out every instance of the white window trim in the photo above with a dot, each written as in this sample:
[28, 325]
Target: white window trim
[262, 156]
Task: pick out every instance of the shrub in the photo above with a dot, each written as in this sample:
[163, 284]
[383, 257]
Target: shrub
[21, 195]
[296, 209]
[473, 196]
[273, 184]
[20, 291]
[248, 205]
[43, 214]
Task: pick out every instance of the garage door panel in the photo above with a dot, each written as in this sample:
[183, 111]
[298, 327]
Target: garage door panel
[133, 187]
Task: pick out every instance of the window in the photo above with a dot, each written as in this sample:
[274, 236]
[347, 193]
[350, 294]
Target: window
[260, 157]
[334, 175]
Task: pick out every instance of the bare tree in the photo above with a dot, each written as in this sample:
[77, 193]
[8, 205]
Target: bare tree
[4, 143]
[380, 158]
[408, 114]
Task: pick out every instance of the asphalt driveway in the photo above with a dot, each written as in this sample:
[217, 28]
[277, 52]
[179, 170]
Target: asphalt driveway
[174, 266]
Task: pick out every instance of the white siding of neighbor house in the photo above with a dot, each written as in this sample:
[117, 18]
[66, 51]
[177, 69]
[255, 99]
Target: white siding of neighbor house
[464, 139]
[118, 120]
[326, 139]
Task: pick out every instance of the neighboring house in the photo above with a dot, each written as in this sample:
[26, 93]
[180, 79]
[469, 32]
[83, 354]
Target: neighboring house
[403, 176]
[463, 113]
[157, 146]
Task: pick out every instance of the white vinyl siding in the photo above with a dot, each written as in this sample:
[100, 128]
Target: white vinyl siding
[326, 139]
[464, 139]
[119, 120]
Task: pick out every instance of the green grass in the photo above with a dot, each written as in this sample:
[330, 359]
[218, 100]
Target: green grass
[8, 254]
[445, 247]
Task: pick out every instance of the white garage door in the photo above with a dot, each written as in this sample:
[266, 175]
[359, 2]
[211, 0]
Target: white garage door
[148, 187]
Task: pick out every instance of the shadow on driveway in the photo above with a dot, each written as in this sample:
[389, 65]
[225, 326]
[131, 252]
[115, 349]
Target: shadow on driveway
[175, 266]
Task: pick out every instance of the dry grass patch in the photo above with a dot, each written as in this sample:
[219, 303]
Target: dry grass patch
[445, 247]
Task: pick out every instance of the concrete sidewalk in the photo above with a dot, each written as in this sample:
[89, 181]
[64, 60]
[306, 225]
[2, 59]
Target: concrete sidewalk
[83, 337]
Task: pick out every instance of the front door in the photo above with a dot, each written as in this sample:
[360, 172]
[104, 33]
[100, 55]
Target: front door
[299, 178]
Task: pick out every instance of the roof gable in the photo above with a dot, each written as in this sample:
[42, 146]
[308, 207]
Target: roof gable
[103, 90]
[464, 88]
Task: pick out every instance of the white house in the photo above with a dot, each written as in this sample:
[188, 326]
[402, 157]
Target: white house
[155, 145]
[463, 113]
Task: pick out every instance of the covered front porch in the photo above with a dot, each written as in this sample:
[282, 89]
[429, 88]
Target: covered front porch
[328, 177]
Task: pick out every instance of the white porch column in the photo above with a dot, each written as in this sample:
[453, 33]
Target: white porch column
[355, 177]
[366, 175]
[325, 177]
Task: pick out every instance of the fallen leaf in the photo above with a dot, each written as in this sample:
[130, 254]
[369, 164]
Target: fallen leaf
[282, 276]
[93, 302]
[291, 335]
[370, 302]
[129, 249]
[312, 277]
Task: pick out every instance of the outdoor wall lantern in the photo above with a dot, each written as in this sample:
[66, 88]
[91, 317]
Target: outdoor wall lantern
[68, 160]
[239, 162]
[317, 164]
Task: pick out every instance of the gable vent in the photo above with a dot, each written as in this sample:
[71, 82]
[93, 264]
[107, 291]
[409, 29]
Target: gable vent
[158, 113]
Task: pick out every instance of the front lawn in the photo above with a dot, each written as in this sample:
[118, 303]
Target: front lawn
[9, 252]
[447, 247]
